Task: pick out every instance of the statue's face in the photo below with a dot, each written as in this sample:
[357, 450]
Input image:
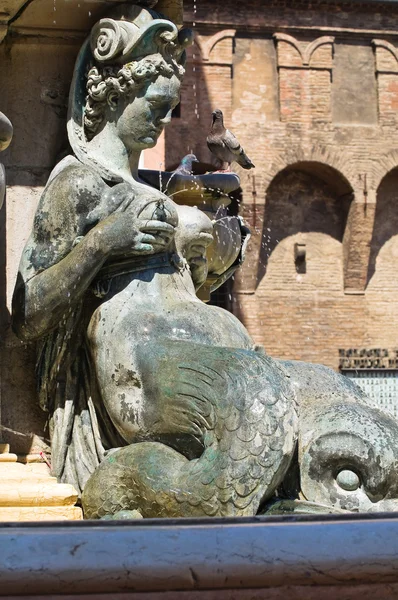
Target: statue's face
[142, 118]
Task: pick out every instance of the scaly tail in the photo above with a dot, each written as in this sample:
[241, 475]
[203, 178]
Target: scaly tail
[250, 414]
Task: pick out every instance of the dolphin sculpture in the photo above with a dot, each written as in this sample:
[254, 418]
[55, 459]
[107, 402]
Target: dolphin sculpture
[347, 448]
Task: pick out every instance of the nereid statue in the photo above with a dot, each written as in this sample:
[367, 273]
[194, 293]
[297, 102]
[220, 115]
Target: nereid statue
[159, 404]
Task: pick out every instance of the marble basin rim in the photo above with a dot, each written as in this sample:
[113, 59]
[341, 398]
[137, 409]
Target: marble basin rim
[243, 553]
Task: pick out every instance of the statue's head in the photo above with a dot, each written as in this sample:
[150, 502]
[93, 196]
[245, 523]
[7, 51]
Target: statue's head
[129, 74]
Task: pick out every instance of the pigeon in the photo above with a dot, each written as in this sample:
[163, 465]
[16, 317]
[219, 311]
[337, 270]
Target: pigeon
[224, 145]
[186, 165]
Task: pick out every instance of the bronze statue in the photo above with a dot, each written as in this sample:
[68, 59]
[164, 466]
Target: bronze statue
[159, 405]
[126, 260]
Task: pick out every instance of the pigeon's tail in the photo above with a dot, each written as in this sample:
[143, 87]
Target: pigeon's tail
[244, 161]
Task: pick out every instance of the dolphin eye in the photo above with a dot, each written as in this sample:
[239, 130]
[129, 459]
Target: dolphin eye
[348, 480]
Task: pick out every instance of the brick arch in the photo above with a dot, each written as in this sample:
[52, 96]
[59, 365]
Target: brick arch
[386, 46]
[387, 163]
[322, 156]
[311, 48]
[385, 226]
[208, 46]
[328, 192]
[305, 54]
[289, 39]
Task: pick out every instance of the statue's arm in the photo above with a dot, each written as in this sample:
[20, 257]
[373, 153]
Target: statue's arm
[40, 303]
[79, 224]
[55, 271]
[67, 248]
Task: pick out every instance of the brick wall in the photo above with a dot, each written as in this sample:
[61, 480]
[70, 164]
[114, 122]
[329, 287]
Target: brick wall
[311, 91]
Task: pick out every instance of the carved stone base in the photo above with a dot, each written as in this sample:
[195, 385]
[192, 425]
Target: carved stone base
[29, 493]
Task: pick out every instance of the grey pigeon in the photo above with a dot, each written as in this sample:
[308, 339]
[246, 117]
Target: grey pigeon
[186, 165]
[224, 145]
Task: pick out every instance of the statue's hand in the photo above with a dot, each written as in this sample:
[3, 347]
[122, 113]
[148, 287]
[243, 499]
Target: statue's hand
[119, 234]
[155, 234]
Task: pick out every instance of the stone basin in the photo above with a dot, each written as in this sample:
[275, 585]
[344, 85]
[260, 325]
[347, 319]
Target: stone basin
[208, 191]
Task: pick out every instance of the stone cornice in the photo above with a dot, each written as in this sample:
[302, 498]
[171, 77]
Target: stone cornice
[50, 18]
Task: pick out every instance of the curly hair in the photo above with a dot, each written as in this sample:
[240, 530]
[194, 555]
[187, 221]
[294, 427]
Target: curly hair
[102, 82]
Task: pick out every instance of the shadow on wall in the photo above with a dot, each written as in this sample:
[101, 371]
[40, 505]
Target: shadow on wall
[384, 229]
[34, 79]
[22, 423]
[192, 121]
[304, 197]
[4, 312]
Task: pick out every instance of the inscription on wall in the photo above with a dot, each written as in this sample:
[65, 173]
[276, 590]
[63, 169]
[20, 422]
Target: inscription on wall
[368, 358]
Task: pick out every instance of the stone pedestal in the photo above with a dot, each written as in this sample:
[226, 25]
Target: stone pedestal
[29, 493]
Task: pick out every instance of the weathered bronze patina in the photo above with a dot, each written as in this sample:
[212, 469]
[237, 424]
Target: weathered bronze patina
[159, 404]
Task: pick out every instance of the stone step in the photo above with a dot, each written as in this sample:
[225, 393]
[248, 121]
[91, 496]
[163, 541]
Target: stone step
[30, 458]
[37, 493]
[25, 477]
[40, 513]
[28, 492]
[8, 467]
[38, 469]
[8, 457]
